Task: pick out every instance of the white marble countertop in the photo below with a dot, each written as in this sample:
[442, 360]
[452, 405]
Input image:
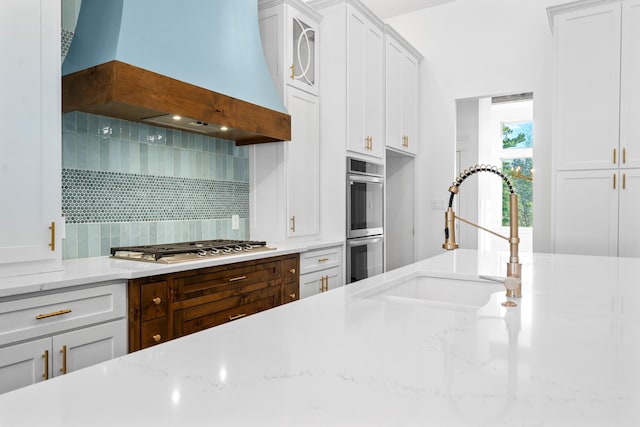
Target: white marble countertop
[568, 355]
[107, 269]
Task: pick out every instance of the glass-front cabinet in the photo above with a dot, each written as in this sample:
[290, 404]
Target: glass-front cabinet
[304, 53]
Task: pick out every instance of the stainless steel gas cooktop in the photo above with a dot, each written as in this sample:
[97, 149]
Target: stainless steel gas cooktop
[187, 251]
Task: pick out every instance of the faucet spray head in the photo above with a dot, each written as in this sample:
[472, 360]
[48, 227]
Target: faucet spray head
[449, 230]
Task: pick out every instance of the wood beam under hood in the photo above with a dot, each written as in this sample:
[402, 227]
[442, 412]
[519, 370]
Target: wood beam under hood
[124, 91]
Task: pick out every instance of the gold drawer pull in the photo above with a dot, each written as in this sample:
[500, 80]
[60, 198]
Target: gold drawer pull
[292, 223]
[292, 271]
[624, 155]
[614, 156]
[63, 350]
[237, 316]
[157, 300]
[157, 337]
[45, 356]
[235, 279]
[292, 296]
[55, 313]
[323, 259]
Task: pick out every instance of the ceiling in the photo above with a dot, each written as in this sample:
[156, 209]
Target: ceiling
[388, 8]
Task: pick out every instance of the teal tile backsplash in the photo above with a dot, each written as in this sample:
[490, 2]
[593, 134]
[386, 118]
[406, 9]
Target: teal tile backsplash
[126, 183]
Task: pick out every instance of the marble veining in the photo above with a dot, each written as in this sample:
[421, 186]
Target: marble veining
[566, 356]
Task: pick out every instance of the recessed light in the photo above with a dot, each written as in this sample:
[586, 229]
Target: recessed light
[224, 128]
[177, 117]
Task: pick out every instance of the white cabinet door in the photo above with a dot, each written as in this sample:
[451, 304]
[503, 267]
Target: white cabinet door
[89, 346]
[588, 87]
[401, 100]
[629, 226]
[365, 113]
[394, 93]
[320, 281]
[410, 87]
[303, 52]
[25, 364]
[630, 85]
[586, 206]
[30, 146]
[302, 164]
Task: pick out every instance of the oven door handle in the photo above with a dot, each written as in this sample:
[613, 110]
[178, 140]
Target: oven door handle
[364, 178]
[365, 241]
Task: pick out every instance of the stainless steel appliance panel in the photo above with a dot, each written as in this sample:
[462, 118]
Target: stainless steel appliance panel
[364, 257]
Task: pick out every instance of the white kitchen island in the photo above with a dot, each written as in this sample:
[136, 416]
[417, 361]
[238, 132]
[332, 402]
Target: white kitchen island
[376, 354]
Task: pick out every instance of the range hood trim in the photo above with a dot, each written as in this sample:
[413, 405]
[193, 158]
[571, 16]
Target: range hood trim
[124, 91]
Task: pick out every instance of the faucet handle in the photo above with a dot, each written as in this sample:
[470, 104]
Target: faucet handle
[512, 283]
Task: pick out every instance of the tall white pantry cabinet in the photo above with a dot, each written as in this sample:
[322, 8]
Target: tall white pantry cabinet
[596, 135]
[30, 114]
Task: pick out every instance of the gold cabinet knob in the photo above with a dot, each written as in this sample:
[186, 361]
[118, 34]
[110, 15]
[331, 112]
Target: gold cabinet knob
[157, 300]
[292, 271]
[157, 337]
[292, 296]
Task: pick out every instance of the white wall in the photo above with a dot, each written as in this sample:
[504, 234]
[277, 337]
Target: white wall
[476, 48]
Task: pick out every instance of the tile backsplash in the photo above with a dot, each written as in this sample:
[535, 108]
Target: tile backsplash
[126, 183]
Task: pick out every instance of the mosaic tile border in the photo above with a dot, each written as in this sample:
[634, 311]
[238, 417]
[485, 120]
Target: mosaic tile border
[97, 196]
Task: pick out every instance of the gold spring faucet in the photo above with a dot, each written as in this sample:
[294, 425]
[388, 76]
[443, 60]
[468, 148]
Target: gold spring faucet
[513, 282]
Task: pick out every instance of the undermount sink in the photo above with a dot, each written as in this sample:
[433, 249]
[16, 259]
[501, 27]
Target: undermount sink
[450, 292]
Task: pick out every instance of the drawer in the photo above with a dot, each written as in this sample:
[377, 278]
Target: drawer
[154, 300]
[291, 292]
[291, 270]
[320, 259]
[154, 332]
[227, 282]
[42, 315]
[205, 316]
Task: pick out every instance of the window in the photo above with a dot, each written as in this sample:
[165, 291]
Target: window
[517, 161]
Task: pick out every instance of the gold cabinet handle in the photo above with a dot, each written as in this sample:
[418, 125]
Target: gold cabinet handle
[624, 181]
[323, 259]
[55, 313]
[52, 244]
[45, 356]
[292, 296]
[292, 271]
[368, 143]
[292, 223]
[324, 283]
[235, 279]
[614, 156]
[237, 316]
[157, 300]
[614, 181]
[405, 141]
[157, 337]
[624, 155]
[292, 71]
[63, 350]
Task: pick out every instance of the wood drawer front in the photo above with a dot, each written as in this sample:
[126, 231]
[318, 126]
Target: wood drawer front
[154, 332]
[225, 283]
[60, 311]
[205, 316]
[291, 292]
[154, 300]
[291, 270]
[320, 259]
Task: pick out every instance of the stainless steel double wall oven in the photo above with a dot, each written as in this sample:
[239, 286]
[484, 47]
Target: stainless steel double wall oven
[365, 210]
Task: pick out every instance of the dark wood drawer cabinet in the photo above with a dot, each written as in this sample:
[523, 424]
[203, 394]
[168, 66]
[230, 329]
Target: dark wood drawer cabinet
[172, 305]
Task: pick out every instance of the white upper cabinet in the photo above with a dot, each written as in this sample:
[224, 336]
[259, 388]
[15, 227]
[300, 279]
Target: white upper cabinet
[630, 86]
[365, 85]
[588, 97]
[402, 64]
[285, 177]
[289, 31]
[30, 169]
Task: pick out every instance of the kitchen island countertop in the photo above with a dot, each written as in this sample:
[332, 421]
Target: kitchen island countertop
[568, 355]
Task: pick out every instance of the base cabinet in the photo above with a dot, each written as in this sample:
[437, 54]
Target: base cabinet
[320, 271]
[66, 331]
[169, 306]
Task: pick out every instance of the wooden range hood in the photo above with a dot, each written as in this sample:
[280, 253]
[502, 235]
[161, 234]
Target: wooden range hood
[124, 91]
